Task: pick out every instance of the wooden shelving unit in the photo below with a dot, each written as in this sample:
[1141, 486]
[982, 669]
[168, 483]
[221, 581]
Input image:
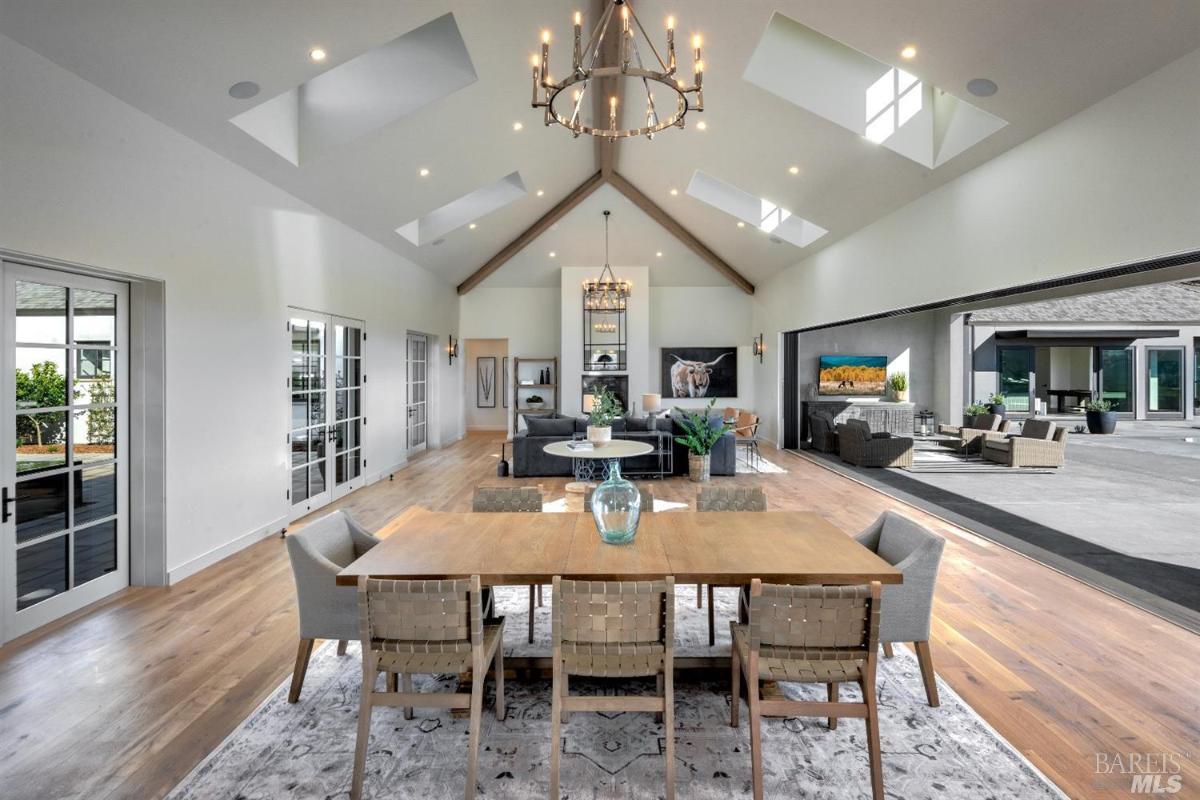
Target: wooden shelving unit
[520, 392]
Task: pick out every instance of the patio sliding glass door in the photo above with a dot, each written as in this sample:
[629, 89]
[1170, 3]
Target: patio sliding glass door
[1164, 380]
[1015, 369]
[1114, 377]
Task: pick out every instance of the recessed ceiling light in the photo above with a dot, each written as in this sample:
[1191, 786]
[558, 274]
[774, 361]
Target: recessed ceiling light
[674, 192]
[741, 224]
[317, 54]
[981, 87]
[794, 170]
[243, 90]
[517, 126]
[471, 226]
[909, 52]
[701, 125]
[424, 173]
[553, 254]
[658, 254]
[540, 192]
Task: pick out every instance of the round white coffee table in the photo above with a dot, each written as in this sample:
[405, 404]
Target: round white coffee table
[590, 464]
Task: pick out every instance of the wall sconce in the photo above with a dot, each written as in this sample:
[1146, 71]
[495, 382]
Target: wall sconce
[451, 349]
[760, 347]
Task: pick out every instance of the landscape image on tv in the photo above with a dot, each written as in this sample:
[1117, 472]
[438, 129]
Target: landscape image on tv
[858, 376]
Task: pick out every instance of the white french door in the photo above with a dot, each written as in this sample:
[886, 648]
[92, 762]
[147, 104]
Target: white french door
[417, 370]
[327, 421]
[63, 509]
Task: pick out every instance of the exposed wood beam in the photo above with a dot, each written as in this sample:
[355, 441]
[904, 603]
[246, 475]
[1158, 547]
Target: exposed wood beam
[604, 88]
[577, 196]
[679, 232]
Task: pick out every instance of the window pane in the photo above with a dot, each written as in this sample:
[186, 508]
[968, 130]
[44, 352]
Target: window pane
[41, 506]
[41, 441]
[95, 317]
[299, 484]
[347, 404]
[317, 438]
[347, 341]
[95, 493]
[92, 365]
[1165, 389]
[1116, 378]
[41, 571]
[95, 551]
[41, 380]
[299, 448]
[1015, 366]
[348, 372]
[95, 435]
[347, 435]
[41, 313]
[316, 338]
[299, 335]
[316, 478]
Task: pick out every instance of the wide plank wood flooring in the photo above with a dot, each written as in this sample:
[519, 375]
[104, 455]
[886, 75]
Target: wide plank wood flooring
[122, 699]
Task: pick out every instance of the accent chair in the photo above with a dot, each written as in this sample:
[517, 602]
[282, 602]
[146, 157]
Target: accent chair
[506, 499]
[726, 498]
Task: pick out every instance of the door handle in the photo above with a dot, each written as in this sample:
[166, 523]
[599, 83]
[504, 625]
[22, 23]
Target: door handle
[4, 501]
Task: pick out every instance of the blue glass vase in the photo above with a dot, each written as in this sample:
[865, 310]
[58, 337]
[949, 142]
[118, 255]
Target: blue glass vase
[616, 507]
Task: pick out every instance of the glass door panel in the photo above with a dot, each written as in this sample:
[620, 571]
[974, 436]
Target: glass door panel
[310, 425]
[1015, 377]
[348, 380]
[65, 531]
[417, 371]
[1115, 377]
[1164, 384]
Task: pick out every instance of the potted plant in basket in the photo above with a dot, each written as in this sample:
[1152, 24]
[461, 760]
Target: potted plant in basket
[605, 408]
[1100, 417]
[971, 412]
[995, 405]
[898, 383]
[534, 401]
[699, 438]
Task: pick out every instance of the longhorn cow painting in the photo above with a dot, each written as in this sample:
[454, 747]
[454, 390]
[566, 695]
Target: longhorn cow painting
[699, 372]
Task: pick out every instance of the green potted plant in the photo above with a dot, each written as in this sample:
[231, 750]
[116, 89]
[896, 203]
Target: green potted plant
[1100, 417]
[971, 412]
[699, 437]
[898, 383]
[605, 408]
[995, 404]
[534, 401]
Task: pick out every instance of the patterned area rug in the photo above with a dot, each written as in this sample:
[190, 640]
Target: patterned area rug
[306, 750]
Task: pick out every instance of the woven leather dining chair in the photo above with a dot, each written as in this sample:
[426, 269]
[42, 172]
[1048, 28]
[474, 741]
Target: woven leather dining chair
[511, 498]
[808, 634]
[647, 500]
[726, 498]
[908, 607]
[318, 552]
[613, 630]
[425, 628]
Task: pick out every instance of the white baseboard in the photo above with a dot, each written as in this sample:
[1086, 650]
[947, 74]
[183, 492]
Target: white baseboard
[176, 574]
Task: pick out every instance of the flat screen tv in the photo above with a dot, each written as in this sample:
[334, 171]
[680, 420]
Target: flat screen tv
[852, 376]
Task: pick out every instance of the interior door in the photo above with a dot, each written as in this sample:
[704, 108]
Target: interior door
[418, 383]
[63, 516]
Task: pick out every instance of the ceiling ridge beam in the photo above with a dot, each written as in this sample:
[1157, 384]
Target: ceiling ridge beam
[604, 88]
[656, 212]
[526, 237]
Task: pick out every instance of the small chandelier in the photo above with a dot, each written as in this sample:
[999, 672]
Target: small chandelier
[604, 327]
[629, 64]
[606, 293]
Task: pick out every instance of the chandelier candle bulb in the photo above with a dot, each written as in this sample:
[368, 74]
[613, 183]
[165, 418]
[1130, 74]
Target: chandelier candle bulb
[577, 57]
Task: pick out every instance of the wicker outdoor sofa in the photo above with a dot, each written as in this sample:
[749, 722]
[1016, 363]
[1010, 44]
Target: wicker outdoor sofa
[1040, 443]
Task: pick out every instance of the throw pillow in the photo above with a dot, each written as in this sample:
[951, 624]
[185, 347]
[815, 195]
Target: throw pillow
[540, 426]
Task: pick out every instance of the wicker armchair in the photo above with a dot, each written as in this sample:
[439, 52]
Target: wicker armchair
[808, 634]
[726, 498]
[613, 630]
[969, 438]
[858, 446]
[907, 607]
[425, 628]
[503, 499]
[824, 432]
[1040, 443]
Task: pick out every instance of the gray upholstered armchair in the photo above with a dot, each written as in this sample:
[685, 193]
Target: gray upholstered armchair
[318, 552]
[907, 607]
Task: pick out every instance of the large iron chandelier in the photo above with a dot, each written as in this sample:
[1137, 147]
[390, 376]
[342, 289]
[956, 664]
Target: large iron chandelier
[629, 64]
[606, 293]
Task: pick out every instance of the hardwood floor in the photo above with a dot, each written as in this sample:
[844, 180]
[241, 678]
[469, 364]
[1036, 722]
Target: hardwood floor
[122, 699]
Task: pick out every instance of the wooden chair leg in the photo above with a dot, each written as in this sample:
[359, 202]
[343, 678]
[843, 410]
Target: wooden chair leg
[566, 690]
[555, 728]
[873, 754]
[498, 676]
[364, 733]
[303, 652]
[887, 650]
[712, 618]
[833, 698]
[756, 772]
[735, 685]
[539, 593]
[532, 607]
[669, 728]
[341, 647]
[480, 676]
[925, 657]
[407, 684]
[393, 682]
[699, 595]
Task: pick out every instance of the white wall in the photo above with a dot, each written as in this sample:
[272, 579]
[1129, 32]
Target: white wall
[86, 178]
[1118, 182]
[484, 419]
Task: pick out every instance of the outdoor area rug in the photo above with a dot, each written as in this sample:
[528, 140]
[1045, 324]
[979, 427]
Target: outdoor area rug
[306, 750]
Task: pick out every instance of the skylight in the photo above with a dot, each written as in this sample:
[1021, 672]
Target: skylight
[464, 210]
[363, 94]
[763, 214]
[889, 106]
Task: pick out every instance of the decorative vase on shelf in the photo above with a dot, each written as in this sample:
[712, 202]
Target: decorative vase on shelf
[599, 436]
[616, 507]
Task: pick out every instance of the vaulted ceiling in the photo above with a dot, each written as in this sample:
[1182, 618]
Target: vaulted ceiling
[176, 59]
